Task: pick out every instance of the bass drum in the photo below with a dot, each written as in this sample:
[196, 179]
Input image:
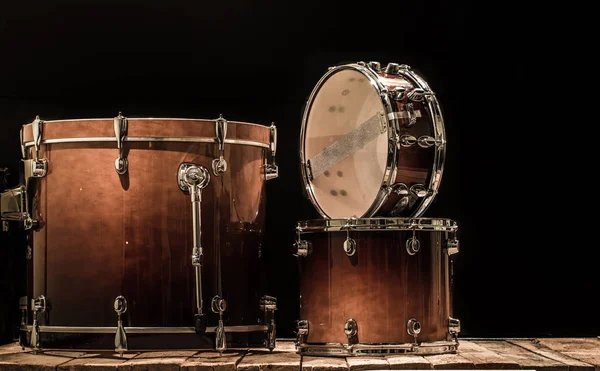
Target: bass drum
[376, 286]
[147, 233]
[372, 142]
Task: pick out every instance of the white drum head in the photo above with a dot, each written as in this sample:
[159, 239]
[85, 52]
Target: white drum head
[346, 144]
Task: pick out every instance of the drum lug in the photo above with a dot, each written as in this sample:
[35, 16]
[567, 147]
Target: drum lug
[392, 68]
[452, 246]
[398, 93]
[120, 127]
[219, 165]
[407, 140]
[413, 245]
[218, 305]
[268, 304]
[375, 66]
[302, 329]
[351, 331]
[426, 141]
[413, 327]
[419, 190]
[416, 95]
[120, 306]
[453, 326]
[38, 305]
[302, 248]
[271, 169]
[350, 246]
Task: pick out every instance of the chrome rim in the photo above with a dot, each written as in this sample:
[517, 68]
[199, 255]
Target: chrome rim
[150, 139]
[377, 224]
[390, 170]
[142, 330]
[344, 350]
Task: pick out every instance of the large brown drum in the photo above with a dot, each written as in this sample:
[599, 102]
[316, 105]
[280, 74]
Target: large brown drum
[146, 233]
[376, 286]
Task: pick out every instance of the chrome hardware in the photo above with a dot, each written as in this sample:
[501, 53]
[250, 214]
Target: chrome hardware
[350, 246]
[272, 170]
[308, 169]
[453, 325]
[218, 304]
[22, 143]
[419, 190]
[268, 304]
[120, 306]
[14, 206]
[407, 140]
[398, 93]
[410, 114]
[219, 165]
[413, 327]
[400, 189]
[37, 129]
[35, 168]
[392, 68]
[405, 67]
[416, 95]
[23, 305]
[375, 66]
[351, 330]
[38, 305]
[120, 126]
[193, 178]
[220, 344]
[426, 141]
[452, 246]
[382, 122]
[413, 245]
[302, 248]
[301, 332]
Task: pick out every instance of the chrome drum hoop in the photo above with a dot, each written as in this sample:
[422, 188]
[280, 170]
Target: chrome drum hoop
[389, 174]
[439, 130]
[357, 350]
[377, 224]
[143, 330]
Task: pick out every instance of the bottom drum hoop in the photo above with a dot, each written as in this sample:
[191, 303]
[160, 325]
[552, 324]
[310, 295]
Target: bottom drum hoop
[377, 224]
[355, 350]
[143, 338]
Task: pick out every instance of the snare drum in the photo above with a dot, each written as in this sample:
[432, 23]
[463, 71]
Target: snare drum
[372, 142]
[146, 233]
[376, 286]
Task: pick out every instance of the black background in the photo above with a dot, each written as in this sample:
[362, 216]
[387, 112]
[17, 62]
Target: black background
[520, 272]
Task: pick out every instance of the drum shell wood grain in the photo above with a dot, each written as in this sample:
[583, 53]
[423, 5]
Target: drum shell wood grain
[104, 235]
[381, 287]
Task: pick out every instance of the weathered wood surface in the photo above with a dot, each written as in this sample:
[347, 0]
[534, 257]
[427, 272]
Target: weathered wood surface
[545, 354]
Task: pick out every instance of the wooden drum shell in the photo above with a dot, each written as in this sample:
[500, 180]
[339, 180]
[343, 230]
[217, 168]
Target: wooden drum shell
[102, 234]
[381, 287]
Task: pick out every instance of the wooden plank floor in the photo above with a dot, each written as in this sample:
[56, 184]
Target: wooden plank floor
[544, 354]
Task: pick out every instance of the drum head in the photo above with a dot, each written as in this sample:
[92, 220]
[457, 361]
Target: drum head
[344, 143]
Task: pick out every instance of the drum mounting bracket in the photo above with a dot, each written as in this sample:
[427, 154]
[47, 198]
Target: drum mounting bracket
[271, 169]
[219, 165]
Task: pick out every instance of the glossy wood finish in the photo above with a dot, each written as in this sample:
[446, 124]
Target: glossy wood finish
[104, 235]
[381, 287]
